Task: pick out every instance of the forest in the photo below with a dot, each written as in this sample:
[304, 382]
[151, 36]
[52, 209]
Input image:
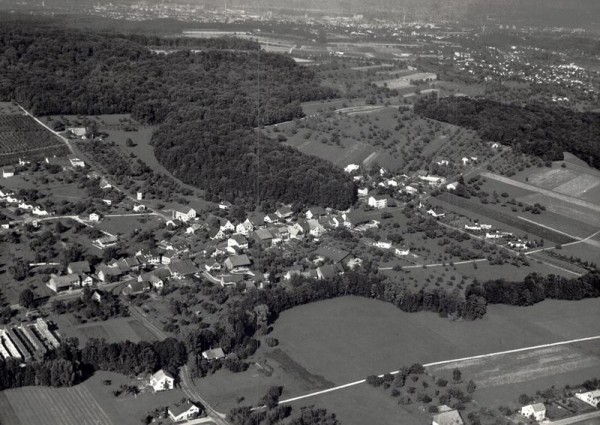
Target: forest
[206, 105]
[542, 131]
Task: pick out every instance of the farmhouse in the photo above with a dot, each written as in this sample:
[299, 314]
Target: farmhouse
[162, 380]
[591, 397]
[63, 283]
[181, 269]
[183, 412]
[447, 417]
[237, 262]
[94, 217]
[8, 172]
[378, 201]
[213, 354]
[536, 411]
[184, 214]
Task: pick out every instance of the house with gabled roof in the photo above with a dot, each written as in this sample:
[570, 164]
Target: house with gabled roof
[238, 262]
[284, 212]
[263, 237]
[183, 412]
[63, 283]
[162, 380]
[184, 214]
[315, 212]
[230, 279]
[316, 228]
[329, 271]
[271, 218]
[378, 201]
[136, 288]
[183, 268]
[79, 267]
[536, 411]
[447, 416]
[213, 354]
[238, 241]
[336, 255]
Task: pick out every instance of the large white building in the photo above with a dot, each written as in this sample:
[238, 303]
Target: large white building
[184, 214]
[591, 397]
[536, 411]
[377, 201]
[162, 381]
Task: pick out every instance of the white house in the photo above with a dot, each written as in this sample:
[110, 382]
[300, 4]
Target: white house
[184, 214]
[183, 412]
[76, 162]
[8, 172]
[536, 411]
[363, 191]
[591, 397]
[493, 235]
[107, 202]
[382, 245]
[351, 168]
[225, 205]
[162, 380]
[435, 212]
[401, 252]
[378, 201]
[94, 217]
[139, 208]
[38, 211]
[452, 186]
[410, 190]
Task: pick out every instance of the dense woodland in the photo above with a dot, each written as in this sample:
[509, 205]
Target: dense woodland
[537, 130]
[205, 103]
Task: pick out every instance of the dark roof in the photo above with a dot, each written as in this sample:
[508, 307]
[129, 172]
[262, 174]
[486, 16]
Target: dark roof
[182, 408]
[263, 234]
[239, 260]
[330, 271]
[184, 267]
[79, 267]
[334, 254]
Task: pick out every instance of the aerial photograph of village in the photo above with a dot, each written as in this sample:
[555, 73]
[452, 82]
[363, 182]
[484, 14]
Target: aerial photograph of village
[260, 212]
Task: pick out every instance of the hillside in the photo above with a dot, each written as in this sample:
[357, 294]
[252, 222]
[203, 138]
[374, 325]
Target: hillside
[206, 105]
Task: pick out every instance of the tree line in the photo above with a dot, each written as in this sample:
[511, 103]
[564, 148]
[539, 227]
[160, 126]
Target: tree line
[538, 130]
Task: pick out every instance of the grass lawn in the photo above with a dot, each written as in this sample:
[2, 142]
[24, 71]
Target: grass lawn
[112, 330]
[125, 225]
[349, 338]
[90, 403]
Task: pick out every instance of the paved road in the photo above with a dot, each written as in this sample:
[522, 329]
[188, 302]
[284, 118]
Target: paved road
[188, 387]
[576, 419]
[481, 356]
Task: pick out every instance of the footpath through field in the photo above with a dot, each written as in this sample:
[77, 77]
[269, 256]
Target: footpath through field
[480, 356]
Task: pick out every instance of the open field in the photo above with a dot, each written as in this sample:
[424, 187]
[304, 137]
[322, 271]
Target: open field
[89, 403]
[112, 330]
[126, 225]
[346, 339]
[403, 338]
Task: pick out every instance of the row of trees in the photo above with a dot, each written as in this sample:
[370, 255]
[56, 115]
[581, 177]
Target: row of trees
[536, 288]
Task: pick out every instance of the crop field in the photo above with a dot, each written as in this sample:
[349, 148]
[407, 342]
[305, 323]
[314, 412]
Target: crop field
[51, 406]
[113, 330]
[501, 379]
[455, 202]
[22, 137]
[89, 403]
